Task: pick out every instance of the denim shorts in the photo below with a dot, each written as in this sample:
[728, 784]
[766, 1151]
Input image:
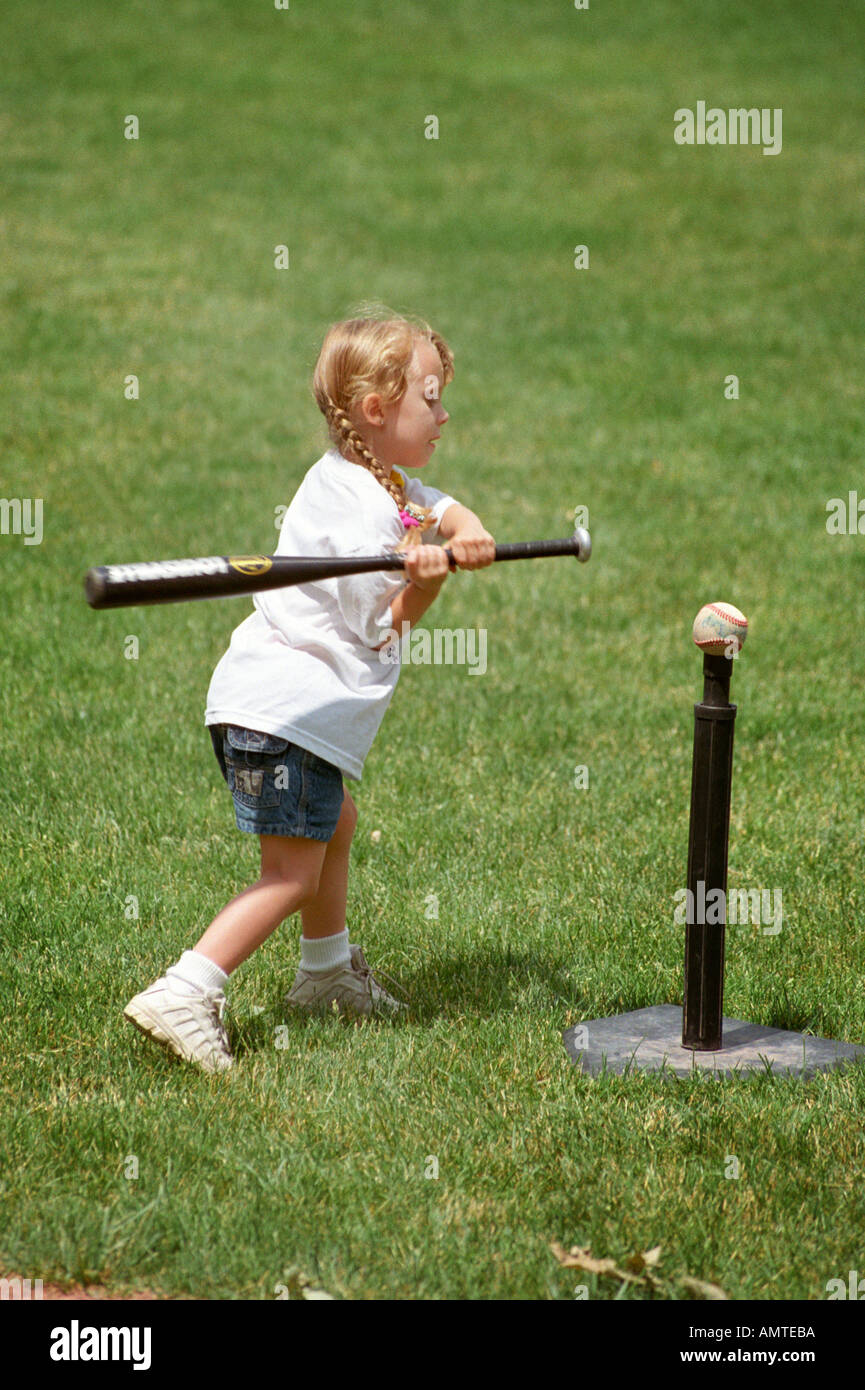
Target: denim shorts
[278, 788]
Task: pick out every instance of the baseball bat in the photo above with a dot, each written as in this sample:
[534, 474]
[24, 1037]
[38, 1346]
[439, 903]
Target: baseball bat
[222, 576]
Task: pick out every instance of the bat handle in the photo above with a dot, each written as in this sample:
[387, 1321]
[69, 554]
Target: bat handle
[579, 545]
[399, 563]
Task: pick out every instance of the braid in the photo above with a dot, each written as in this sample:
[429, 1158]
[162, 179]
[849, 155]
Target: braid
[364, 455]
[352, 440]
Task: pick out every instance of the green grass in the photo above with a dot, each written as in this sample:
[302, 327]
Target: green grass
[603, 388]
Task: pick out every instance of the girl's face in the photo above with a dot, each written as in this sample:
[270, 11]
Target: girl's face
[405, 432]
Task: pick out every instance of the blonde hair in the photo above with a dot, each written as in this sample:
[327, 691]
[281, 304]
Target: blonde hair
[372, 353]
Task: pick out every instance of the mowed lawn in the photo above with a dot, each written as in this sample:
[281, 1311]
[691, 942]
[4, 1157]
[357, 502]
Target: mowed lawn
[443, 1157]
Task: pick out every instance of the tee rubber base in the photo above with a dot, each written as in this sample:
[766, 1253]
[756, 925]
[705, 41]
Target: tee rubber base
[651, 1040]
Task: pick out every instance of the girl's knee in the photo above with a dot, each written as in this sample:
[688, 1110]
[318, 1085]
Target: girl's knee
[294, 864]
[297, 888]
[345, 826]
[349, 812]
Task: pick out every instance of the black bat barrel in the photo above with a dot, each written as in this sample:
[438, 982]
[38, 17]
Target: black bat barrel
[217, 576]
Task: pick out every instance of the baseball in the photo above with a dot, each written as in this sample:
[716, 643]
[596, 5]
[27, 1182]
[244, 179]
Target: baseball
[720, 629]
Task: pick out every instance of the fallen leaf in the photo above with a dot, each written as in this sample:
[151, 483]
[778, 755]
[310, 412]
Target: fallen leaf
[579, 1258]
[642, 1260]
[702, 1290]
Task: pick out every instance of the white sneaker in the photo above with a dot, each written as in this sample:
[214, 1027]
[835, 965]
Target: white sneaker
[189, 1025]
[354, 990]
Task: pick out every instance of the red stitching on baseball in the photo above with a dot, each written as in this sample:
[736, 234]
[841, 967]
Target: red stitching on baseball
[728, 617]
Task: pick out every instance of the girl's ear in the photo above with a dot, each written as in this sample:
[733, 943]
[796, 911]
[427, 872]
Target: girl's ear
[371, 409]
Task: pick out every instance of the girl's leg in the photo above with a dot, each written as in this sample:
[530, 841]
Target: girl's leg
[290, 871]
[324, 914]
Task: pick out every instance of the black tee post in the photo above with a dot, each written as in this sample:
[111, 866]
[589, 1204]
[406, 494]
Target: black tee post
[711, 780]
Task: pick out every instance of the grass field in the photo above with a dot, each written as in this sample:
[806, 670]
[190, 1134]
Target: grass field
[601, 387]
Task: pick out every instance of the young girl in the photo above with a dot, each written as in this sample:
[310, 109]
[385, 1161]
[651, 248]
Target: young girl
[297, 699]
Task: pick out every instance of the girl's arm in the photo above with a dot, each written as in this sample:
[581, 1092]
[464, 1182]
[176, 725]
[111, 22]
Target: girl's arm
[472, 548]
[459, 522]
[459, 525]
[410, 605]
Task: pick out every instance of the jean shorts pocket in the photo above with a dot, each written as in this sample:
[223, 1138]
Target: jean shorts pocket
[256, 768]
[254, 741]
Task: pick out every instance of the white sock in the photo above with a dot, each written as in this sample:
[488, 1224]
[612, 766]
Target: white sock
[194, 973]
[327, 953]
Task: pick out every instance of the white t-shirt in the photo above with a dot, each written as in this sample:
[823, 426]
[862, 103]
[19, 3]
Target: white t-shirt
[302, 665]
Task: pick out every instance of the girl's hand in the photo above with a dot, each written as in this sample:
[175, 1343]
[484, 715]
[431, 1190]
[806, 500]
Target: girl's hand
[426, 566]
[472, 550]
